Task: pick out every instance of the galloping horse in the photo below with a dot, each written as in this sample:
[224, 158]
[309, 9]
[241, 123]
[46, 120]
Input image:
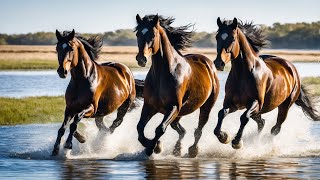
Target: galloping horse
[257, 83]
[175, 85]
[94, 90]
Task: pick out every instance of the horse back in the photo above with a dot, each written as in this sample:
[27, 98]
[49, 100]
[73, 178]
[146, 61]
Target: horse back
[275, 64]
[114, 75]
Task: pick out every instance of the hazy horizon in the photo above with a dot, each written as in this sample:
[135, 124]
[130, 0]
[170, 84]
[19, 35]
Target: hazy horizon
[20, 17]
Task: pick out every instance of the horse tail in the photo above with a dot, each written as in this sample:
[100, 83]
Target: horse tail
[307, 105]
[139, 85]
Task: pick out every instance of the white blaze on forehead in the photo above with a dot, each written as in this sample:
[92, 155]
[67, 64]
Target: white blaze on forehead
[144, 31]
[224, 36]
[64, 45]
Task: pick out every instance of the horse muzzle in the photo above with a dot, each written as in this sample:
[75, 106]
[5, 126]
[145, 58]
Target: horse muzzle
[219, 64]
[62, 73]
[142, 60]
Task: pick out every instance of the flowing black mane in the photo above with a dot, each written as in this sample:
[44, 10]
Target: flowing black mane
[180, 38]
[254, 33]
[93, 45]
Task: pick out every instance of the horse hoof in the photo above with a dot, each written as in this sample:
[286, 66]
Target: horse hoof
[55, 152]
[237, 145]
[177, 150]
[79, 137]
[68, 145]
[225, 138]
[275, 130]
[158, 147]
[193, 151]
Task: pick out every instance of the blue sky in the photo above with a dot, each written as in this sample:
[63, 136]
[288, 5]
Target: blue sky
[96, 16]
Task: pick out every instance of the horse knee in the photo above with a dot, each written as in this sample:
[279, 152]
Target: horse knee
[160, 130]
[244, 118]
[61, 131]
[73, 127]
[222, 113]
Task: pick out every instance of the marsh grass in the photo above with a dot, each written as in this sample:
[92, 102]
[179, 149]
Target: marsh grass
[31, 64]
[29, 110]
[45, 57]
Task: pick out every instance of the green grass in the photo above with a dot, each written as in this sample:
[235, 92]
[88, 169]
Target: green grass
[51, 109]
[312, 84]
[27, 64]
[31, 110]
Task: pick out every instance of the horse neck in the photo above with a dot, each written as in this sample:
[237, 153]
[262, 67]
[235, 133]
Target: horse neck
[84, 67]
[164, 59]
[247, 56]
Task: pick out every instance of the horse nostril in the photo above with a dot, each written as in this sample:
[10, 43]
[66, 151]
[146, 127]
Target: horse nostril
[65, 72]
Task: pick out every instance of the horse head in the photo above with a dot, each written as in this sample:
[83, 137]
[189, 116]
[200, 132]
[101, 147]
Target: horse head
[67, 51]
[228, 47]
[148, 38]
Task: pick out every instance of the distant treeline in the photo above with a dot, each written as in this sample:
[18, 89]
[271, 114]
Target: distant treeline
[285, 36]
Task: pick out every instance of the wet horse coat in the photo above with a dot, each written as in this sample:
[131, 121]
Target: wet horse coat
[256, 83]
[175, 85]
[94, 90]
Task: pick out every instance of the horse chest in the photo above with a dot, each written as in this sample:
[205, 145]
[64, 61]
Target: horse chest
[79, 95]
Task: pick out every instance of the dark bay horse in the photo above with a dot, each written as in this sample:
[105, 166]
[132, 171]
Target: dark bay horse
[256, 83]
[94, 90]
[175, 85]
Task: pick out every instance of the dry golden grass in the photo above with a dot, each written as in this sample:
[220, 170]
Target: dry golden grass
[126, 54]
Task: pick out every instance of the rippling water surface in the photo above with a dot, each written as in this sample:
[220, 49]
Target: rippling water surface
[25, 149]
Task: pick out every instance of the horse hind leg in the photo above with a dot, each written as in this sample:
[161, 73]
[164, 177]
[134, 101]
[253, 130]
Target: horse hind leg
[101, 125]
[282, 115]
[181, 131]
[203, 119]
[122, 110]
[260, 122]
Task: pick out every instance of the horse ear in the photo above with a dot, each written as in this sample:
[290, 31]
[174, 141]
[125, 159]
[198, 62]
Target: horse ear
[156, 20]
[72, 34]
[234, 24]
[138, 18]
[219, 22]
[58, 35]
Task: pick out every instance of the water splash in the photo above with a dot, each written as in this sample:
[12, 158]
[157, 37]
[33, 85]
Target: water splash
[298, 138]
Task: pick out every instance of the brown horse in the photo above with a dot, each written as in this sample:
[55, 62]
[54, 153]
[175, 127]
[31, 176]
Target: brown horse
[94, 90]
[175, 85]
[257, 83]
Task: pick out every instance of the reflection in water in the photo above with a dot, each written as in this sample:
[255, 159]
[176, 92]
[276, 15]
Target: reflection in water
[286, 168]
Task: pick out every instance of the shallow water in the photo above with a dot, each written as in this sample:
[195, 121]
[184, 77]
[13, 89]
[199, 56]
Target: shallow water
[293, 154]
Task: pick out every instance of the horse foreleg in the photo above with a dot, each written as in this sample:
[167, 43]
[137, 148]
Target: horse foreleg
[122, 110]
[67, 117]
[155, 143]
[74, 125]
[146, 114]
[253, 110]
[222, 136]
